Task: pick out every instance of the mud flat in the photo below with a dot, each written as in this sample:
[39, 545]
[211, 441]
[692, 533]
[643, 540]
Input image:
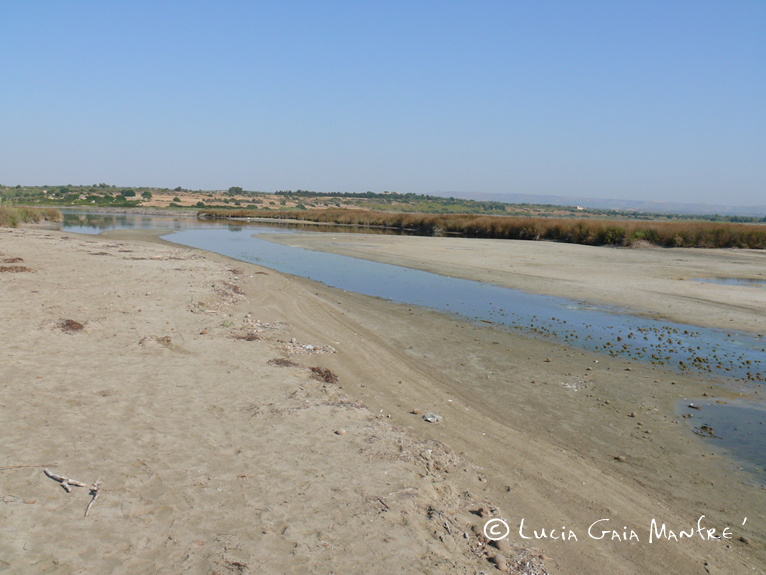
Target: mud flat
[187, 390]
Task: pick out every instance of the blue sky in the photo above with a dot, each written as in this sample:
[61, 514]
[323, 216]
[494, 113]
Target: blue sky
[637, 100]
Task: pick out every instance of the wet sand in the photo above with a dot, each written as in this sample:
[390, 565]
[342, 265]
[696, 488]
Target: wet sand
[213, 459]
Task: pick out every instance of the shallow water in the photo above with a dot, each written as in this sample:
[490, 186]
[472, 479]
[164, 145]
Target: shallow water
[95, 223]
[725, 355]
[738, 426]
[749, 282]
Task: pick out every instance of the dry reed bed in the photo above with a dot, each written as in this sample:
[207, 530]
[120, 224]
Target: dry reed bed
[12, 216]
[597, 232]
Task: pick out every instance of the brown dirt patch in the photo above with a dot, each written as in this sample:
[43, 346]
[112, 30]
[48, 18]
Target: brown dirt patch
[282, 362]
[70, 326]
[324, 374]
[15, 269]
[246, 336]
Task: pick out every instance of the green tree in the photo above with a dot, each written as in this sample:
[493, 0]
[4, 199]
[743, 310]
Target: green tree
[147, 195]
[128, 193]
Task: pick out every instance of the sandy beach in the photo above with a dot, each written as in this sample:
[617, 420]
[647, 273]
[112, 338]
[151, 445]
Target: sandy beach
[182, 380]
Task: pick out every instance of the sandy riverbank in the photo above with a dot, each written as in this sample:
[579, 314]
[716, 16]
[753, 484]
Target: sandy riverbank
[213, 459]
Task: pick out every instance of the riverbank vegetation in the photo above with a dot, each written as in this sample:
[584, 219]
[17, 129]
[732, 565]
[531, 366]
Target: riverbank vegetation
[612, 232]
[11, 216]
[109, 196]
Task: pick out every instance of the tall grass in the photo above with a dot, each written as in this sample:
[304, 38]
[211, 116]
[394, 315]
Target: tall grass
[10, 217]
[597, 232]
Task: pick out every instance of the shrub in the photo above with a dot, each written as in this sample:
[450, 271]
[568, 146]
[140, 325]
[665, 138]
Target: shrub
[571, 230]
[10, 217]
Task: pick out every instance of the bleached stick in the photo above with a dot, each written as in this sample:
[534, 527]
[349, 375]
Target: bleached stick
[95, 491]
[66, 483]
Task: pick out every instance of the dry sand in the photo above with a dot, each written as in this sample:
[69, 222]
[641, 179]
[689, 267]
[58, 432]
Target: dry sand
[215, 460]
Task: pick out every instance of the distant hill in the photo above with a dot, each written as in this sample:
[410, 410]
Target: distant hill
[602, 204]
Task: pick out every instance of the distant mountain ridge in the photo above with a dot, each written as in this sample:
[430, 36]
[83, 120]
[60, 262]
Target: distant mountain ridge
[613, 204]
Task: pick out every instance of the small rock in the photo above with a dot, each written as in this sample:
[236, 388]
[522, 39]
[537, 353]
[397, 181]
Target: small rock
[621, 458]
[30, 501]
[431, 417]
[548, 360]
[745, 540]
[416, 411]
[692, 406]
[633, 414]
[504, 546]
[340, 431]
[500, 562]
[483, 512]
[203, 332]
[628, 369]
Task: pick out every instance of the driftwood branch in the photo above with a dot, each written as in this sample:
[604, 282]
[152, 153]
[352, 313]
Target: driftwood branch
[95, 491]
[67, 483]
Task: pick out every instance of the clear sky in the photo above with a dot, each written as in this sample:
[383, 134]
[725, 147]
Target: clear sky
[652, 100]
